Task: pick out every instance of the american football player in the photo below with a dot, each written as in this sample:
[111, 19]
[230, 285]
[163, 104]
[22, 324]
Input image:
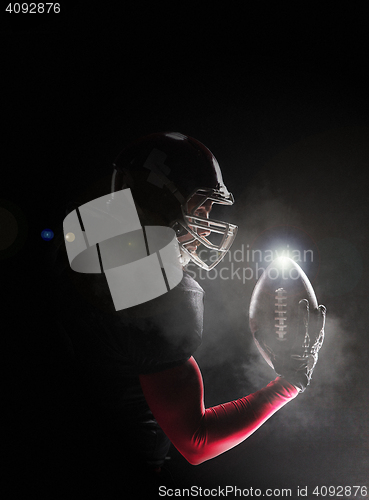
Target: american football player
[137, 364]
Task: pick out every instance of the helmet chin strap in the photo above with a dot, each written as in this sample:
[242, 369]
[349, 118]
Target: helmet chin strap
[184, 257]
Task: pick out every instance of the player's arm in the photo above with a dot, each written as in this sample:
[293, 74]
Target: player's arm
[176, 398]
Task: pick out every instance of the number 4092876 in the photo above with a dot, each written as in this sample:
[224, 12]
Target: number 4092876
[33, 8]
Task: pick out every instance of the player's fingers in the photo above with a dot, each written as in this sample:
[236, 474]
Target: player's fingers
[316, 327]
[303, 321]
[321, 324]
[321, 318]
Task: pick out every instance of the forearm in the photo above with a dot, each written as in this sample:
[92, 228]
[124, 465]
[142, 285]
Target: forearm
[224, 426]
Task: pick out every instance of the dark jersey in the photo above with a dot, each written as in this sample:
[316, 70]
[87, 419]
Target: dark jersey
[113, 347]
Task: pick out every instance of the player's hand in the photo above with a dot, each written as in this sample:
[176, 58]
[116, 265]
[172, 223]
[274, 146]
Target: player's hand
[297, 366]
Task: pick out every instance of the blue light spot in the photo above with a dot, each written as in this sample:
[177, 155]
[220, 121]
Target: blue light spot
[47, 235]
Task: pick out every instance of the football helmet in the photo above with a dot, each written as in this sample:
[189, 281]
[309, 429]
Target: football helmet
[171, 175]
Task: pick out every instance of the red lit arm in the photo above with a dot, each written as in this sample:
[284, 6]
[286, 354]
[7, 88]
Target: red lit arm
[175, 396]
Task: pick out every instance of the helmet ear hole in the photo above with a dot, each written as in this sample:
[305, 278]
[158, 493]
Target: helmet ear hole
[179, 229]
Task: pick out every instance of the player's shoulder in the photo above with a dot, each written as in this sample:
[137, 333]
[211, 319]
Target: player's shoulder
[187, 295]
[93, 290]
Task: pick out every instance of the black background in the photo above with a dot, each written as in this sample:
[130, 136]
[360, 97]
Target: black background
[279, 93]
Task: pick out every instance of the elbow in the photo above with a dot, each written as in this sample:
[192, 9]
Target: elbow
[193, 445]
[193, 454]
[193, 458]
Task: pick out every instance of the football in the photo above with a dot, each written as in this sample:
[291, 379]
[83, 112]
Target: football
[274, 307]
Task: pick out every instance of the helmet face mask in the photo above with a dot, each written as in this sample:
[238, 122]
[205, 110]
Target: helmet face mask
[191, 223]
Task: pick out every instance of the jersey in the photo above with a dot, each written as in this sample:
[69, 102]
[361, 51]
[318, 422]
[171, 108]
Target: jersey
[112, 348]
